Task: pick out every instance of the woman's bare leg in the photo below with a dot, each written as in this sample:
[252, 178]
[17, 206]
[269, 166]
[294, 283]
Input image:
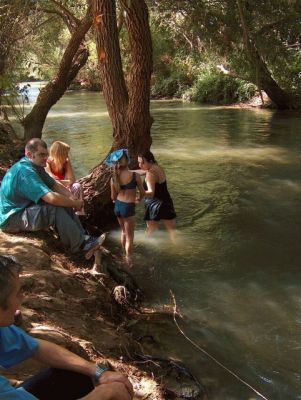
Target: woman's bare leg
[129, 228]
[122, 233]
[170, 225]
[151, 226]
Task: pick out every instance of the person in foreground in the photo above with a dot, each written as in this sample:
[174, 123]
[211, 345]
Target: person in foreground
[124, 184]
[158, 203]
[31, 200]
[70, 376]
[60, 168]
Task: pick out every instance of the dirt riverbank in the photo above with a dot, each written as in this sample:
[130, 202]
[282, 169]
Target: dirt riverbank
[67, 304]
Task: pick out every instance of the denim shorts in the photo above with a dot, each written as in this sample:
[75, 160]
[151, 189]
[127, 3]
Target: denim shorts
[123, 209]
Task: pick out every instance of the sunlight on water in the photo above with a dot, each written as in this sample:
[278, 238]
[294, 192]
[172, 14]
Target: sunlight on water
[160, 242]
[235, 179]
[77, 114]
[244, 155]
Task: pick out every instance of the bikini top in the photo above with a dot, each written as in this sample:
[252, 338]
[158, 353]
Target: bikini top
[131, 185]
[58, 174]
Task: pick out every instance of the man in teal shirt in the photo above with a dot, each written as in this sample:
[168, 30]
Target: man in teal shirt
[70, 376]
[31, 200]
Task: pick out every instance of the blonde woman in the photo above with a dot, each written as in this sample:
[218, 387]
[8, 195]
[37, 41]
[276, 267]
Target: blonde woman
[124, 185]
[60, 168]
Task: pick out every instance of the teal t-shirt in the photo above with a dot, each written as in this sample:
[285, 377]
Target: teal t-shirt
[15, 347]
[23, 184]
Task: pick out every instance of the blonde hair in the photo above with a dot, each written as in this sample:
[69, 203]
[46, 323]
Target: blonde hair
[117, 167]
[59, 152]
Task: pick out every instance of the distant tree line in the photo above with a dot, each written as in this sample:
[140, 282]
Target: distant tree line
[214, 51]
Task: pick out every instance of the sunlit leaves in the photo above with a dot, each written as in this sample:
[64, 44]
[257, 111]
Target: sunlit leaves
[213, 28]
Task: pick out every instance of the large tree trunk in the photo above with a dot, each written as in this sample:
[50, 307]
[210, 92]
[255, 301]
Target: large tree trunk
[73, 60]
[263, 76]
[278, 96]
[127, 100]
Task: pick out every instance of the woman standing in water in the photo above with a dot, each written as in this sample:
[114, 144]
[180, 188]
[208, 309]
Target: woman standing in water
[158, 203]
[60, 168]
[124, 184]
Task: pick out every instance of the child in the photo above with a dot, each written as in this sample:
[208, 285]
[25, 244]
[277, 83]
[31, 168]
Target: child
[123, 192]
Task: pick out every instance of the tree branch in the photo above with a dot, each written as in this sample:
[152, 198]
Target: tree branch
[66, 12]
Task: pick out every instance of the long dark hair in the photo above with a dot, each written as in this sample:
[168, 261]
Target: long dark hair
[148, 156]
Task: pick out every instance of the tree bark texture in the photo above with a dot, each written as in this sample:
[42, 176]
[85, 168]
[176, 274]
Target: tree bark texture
[73, 60]
[97, 195]
[127, 98]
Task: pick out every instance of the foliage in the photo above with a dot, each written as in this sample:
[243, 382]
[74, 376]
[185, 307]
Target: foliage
[174, 70]
[44, 54]
[190, 39]
[88, 77]
[214, 29]
[221, 89]
[34, 35]
[172, 86]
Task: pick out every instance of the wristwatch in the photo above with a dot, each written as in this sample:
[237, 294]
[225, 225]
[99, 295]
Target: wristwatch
[99, 370]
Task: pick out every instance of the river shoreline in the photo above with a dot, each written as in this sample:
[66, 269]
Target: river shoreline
[251, 149]
[66, 303]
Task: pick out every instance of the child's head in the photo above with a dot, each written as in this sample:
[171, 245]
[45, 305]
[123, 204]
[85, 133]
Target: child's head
[118, 160]
[59, 152]
[120, 156]
[122, 162]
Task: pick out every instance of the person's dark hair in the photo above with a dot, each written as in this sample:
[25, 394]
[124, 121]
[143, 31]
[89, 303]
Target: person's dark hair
[148, 156]
[9, 267]
[34, 143]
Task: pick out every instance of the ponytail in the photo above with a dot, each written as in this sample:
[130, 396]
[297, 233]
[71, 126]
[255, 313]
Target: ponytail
[116, 174]
[117, 166]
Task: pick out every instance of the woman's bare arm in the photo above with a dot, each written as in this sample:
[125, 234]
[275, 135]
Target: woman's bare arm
[138, 171]
[69, 174]
[140, 189]
[113, 190]
[150, 180]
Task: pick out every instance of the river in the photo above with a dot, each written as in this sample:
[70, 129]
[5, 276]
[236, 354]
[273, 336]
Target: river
[235, 178]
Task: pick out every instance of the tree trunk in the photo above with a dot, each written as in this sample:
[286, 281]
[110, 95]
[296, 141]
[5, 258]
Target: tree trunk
[74, 59]
[264, 79]
[128, 100]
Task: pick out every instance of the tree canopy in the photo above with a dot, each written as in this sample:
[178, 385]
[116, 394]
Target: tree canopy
[256, 41]
[195, 44]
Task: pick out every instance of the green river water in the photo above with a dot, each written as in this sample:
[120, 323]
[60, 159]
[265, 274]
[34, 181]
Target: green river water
[235, 178]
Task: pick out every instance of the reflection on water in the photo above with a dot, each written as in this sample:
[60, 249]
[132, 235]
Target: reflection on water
[235, 178]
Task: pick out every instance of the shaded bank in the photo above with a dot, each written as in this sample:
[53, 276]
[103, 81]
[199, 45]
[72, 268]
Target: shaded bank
[66, 303]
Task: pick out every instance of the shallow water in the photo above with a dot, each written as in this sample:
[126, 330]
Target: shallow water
[235, 178]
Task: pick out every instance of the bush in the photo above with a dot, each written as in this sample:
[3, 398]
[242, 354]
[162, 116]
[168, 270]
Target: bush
[221, 89]
[173, 86]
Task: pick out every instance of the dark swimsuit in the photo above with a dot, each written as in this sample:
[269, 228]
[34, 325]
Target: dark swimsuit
[131, 185]
[123, 209]
[161, 205]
